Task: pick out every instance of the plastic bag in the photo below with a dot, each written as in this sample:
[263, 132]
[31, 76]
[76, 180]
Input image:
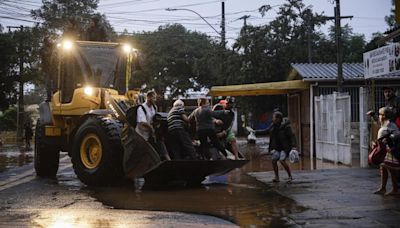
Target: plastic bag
[282, 156]
[294, 156]
[378, 153]
[275, 155]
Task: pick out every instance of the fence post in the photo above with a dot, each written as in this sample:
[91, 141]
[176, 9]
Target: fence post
[335, 133]
[312, 104]
[363, 128]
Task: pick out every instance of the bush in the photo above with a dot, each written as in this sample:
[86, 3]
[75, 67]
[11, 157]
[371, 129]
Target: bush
[8, 120]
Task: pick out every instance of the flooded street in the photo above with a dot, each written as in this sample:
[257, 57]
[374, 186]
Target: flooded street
[236, 196]
[14, 156]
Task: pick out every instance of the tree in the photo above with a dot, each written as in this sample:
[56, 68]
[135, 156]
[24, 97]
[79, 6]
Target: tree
[72, 19]
[13, 46]
[268, 50]
[353, 44]
[8, 59]
[175, 60]
[8, 120]
[391, 19]
[294, 36]
[372, 44]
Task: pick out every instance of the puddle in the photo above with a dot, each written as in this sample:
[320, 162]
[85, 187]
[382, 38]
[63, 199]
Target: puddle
[235, 197]
[14, 156]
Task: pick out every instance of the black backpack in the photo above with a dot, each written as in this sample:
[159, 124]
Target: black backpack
[131, 114]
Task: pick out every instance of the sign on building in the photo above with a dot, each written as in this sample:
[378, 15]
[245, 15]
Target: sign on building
[381, 61]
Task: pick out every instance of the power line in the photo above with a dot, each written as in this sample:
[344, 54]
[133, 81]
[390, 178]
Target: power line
[178, 6]
[119, 4]
[18, 19]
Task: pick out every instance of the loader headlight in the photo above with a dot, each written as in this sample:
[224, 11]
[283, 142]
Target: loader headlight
[88, 91]
[127, 48]
[66, 45]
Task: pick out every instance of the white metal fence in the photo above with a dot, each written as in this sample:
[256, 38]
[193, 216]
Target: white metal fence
[332, 128]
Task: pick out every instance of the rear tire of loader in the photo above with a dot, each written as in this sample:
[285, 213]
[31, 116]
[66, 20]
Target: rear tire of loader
[97, 152]
[46, 157]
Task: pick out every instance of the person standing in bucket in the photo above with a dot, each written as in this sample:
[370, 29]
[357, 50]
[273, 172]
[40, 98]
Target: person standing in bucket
[205, 127]
[282, 141]
[144, 127]
[180, 141]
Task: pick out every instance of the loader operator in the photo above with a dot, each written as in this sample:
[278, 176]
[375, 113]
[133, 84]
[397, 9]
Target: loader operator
[144, 126]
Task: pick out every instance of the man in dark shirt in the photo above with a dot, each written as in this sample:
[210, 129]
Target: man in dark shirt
[281, 141]
[205, 128]
[224, 131]
[392, 101]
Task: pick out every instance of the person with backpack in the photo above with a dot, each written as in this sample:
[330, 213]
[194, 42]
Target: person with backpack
[144, 123]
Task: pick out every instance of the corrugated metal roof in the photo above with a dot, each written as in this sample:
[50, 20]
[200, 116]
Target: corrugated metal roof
[328, 71]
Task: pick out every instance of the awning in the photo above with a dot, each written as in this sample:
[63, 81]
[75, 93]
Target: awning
[270, 88]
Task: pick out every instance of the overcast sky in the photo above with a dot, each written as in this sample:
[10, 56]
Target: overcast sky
[147, 15]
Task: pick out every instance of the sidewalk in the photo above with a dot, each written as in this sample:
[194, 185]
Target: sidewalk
[337, 198]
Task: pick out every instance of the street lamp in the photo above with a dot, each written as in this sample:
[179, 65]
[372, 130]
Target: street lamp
[169, 9]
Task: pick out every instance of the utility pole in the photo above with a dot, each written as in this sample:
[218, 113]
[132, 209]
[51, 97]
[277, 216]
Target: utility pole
[223, 43]
[339, 47]
[310, 26]
[223, 24]
[244, 18]
[338, 34]
[20, 108]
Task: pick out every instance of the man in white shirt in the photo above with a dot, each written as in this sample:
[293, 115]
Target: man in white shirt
[145, 115]
[144, 126]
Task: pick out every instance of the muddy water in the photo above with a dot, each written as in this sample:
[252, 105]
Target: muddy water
[236, 196]
[14, 156]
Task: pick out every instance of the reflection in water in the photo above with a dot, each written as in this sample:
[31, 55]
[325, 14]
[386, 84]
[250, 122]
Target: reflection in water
[14, 156]
[66, 218]
[235, 197]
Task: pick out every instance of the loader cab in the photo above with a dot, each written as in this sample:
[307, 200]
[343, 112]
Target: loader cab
[93, 64]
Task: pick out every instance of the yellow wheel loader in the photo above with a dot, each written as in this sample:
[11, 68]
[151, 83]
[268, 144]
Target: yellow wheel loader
[86, 116]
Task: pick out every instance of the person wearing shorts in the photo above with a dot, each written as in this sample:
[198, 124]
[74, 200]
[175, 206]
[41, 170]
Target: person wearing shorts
[282, 140]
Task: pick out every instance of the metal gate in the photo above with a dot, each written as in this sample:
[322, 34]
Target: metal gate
[364, 131]
[332, 128]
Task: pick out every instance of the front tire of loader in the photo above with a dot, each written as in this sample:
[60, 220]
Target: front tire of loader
[46, 157]
[97, 152]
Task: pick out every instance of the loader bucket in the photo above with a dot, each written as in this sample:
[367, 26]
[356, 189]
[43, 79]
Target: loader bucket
[142, 160]
[189, 172]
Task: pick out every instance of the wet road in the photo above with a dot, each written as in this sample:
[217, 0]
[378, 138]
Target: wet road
[235, 197]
